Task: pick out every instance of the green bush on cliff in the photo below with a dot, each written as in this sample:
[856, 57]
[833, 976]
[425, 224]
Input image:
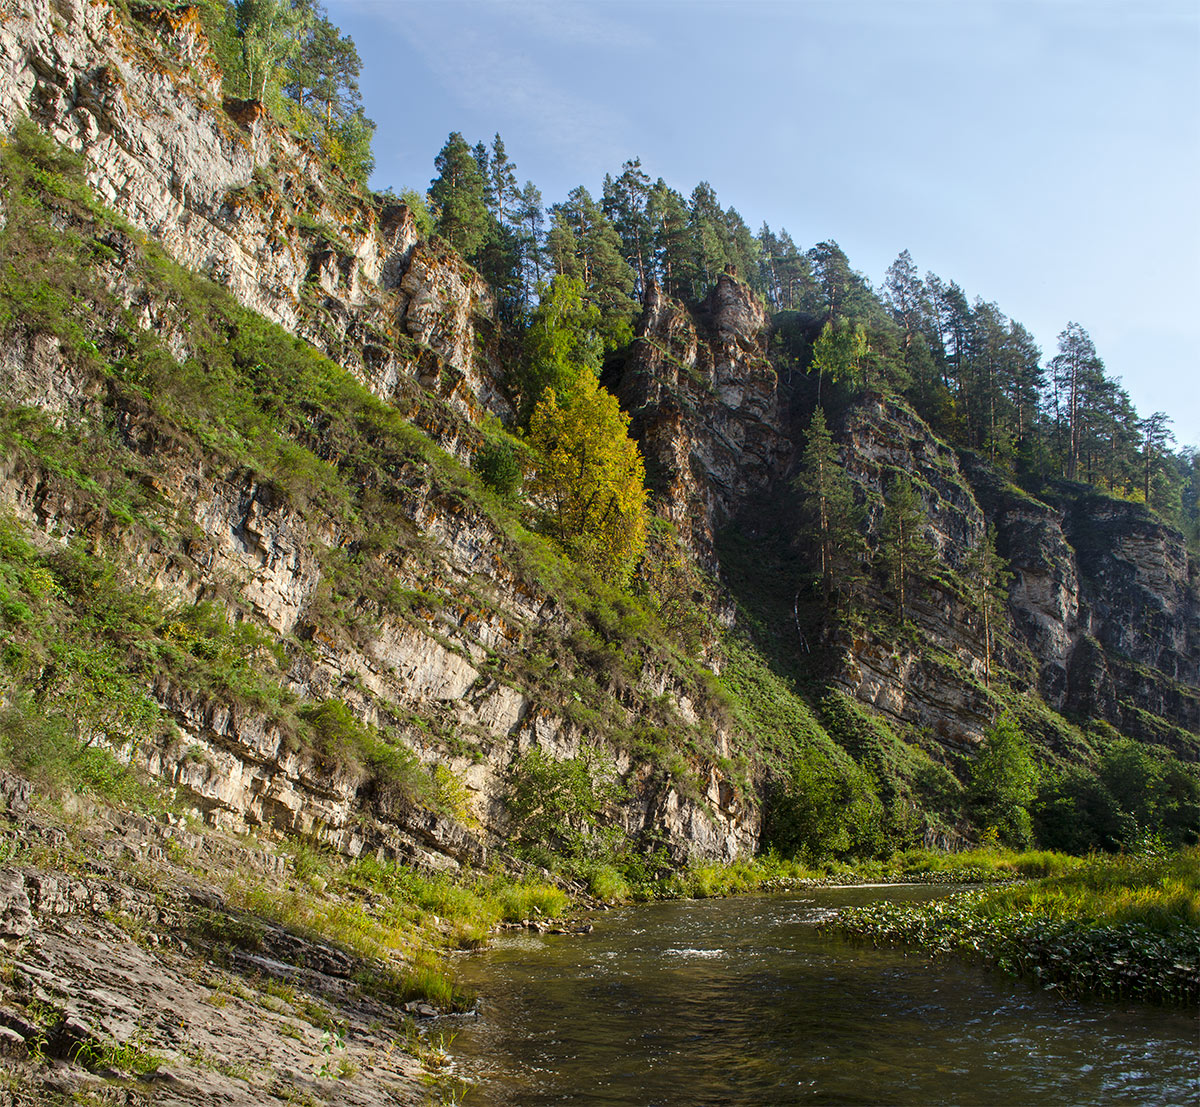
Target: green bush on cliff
[554, 803]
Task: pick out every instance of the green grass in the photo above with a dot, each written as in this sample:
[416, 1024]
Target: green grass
[1121, 927]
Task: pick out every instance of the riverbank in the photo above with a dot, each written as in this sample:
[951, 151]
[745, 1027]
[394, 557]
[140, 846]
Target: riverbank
[772, 873]
[1116, 927]
[149, 959]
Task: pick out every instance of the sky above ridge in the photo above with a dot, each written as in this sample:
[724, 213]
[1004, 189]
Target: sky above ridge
[1045, 155]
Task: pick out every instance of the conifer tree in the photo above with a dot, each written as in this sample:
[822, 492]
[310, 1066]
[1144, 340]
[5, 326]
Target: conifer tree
[1156, 436]
[584, 244]
[529, 218]
[839, 290]
[1077, 373]
[902, 543]
[989, 579]
[459, 193]
[324, 70]
[502, 181]
[626, 201]
[672, 248]
[828, 501]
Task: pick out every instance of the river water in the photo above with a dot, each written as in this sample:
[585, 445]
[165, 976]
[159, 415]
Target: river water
[742, 1003]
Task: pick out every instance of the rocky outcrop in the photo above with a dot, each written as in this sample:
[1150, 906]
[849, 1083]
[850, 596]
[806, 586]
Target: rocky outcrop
[1102, 602]
[934, 679]
[1105, 597]
[420, 679]
[1044, 596]
[228, 194]
[132, 980]
[705, 408]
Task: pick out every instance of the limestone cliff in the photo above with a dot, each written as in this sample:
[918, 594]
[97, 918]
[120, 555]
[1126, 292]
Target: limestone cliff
[230, 195]
[1103, 601]
[705, 407]
[1106, 597]
[934, 680]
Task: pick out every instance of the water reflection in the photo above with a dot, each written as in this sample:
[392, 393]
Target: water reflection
[742, 1002]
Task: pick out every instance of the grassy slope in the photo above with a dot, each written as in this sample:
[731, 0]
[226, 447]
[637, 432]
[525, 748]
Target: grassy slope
[248, 399]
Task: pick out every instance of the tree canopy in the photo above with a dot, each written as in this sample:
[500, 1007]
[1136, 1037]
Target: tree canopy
[589, 478]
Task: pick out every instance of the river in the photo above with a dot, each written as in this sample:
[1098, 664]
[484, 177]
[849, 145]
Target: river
[739, 1002]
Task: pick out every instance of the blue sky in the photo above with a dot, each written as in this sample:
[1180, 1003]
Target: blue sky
[1045, 155]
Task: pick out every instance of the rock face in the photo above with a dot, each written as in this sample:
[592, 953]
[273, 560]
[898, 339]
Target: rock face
[705, 408]
[935, 682]
[1102, 595]
[149, 986]
[245, 538]
[228, 194]
[1106, 599]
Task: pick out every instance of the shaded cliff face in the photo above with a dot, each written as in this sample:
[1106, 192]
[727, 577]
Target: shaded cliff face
[705, 408]
[228, 194]
[1106, 598]
[934, 680]
[1102, 596]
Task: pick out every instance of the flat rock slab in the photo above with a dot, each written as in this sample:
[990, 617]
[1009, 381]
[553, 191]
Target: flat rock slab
[221, 1037]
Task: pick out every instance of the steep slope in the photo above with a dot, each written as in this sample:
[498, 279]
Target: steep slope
[1102, 602]
[247, 469]
[227, 193]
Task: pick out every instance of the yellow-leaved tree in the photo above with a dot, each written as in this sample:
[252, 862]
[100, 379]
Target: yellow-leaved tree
[590, 479]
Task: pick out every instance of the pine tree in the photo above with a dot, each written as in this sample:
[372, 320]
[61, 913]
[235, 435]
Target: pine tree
[989, 579]
[672, 248]
[1077, 373]
[584, 244]
[1156, 436]
[324, 70]
[1024, 380]
[839, 290]
[828, 501]
[705, 219]
[502, 181]
[626, 203]
[903, 546]
[529, 218]
[459, 193]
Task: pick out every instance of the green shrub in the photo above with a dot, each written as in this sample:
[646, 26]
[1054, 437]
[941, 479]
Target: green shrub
[556, 803]
[499, 467]
[825, 807]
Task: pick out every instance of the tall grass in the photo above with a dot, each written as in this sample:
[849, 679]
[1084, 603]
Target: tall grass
[1119, 927]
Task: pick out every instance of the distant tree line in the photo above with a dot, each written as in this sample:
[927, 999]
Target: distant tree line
[975, 375]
